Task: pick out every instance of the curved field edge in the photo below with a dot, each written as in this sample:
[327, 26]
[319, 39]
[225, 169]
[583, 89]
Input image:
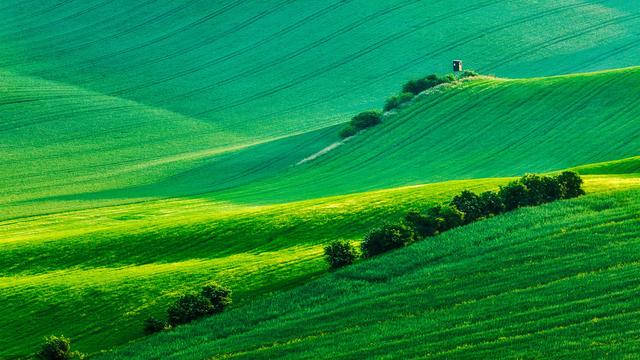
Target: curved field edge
[133, 260]
[555, 280]
[301, 64]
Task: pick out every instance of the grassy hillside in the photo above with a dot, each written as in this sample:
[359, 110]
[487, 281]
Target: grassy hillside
[133, 259]
[115, 102]
[149, 147]
[548, 282]
[480, 128]
[306, 64]
[96, 274]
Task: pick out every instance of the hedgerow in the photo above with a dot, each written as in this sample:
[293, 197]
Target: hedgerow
[467, 207]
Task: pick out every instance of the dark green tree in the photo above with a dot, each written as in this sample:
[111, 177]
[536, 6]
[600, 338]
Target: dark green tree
[340, 253]
[423, 225]
[514, 195]
[188, 308]
[58, 348]
[571, 184]
[219, 296]
[491, 203]
[385, 238]
[469, 203]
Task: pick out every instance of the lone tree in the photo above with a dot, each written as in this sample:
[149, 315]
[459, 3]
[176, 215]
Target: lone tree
[340, 253]
[58, 348]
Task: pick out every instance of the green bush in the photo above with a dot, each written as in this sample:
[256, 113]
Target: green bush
[366, 119]
[536, 193]
[469, 203]
[397, 100]
[362, 121]
[153, 325]
[212, 299]
[468, 73]
[219, 296]
[349, 131]
[188, 308]
[491, 203]
[514, 195]
[571, 184]
[58, 348]
[417, 86]
[424, 225]
[340, 253]
[385, 238]
[447, 216]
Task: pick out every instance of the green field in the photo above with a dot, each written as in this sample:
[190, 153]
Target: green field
[558, 281]
[149, 147]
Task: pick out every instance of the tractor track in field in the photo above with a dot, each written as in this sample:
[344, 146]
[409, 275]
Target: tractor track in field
[436, 52]
[88, 63]
[42, 27]
[265, 65]
[42, 46]
[520, 54]
[127, 31]
[183, 29]
[577, 103]
[343, 61]
[33, 14]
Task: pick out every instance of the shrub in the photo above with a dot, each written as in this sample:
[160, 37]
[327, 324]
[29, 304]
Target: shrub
[552, 188]
[535, 189]
[366, 119]
[417, 86]
[491, 203]
[188, 308]
[447, 216]
[349, 131]
[388, 237]
[468, 73]
[58, 348]
[514, 195]
[469, 203]
[397, 100]
[423, 225]
[362, 121]
[340, 253]
[153, 325]
[212, 299]
[219, 296]
[571, 184]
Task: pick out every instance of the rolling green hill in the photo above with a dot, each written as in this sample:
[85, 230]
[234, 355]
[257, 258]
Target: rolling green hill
[554, 281]
[148, 147]
[240, 226]
[306, 64]
[480, 128]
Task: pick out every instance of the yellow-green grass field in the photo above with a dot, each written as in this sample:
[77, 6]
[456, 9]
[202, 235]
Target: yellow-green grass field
[149, 147]
[95, 275]
[554, 281]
